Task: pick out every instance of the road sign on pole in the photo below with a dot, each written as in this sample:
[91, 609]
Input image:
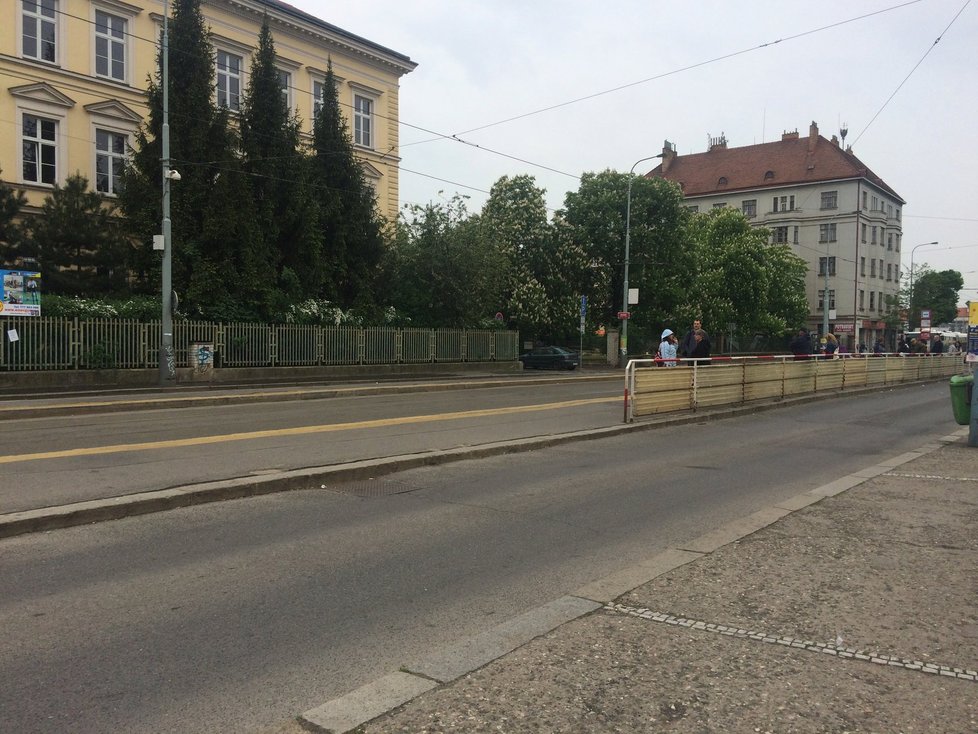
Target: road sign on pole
[623, 315]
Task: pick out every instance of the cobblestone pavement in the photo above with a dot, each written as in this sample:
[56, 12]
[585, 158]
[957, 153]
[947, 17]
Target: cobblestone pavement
[853, 612]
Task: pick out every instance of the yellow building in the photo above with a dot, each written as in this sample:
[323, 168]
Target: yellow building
[73, 84]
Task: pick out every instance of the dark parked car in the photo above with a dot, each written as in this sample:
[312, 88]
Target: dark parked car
[550, 358]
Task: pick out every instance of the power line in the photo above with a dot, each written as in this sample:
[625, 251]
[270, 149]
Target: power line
[679, 70]
[900, 85]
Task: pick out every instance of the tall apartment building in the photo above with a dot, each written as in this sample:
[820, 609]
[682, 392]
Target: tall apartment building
[820, 199]
[73, 84]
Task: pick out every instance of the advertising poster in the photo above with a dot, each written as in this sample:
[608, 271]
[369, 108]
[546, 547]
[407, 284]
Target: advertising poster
[20, 293]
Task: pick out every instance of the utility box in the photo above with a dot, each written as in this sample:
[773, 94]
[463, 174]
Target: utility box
[962, 387]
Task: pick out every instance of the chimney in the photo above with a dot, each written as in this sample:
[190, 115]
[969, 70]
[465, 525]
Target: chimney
[786, 135]
[835, 140]
[668, 155]
[718, 143]
[812, 137]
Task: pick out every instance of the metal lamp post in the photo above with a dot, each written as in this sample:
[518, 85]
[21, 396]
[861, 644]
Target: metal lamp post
[628, 230]
[167, 367]
[910, 300]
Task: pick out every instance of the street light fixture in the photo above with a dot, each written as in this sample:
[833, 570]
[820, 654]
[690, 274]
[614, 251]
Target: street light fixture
[628, 230]
[910, 300]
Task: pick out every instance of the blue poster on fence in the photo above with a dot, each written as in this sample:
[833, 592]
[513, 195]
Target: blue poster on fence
[20, 293]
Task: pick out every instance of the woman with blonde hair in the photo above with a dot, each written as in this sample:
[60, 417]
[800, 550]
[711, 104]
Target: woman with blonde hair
[831, 345]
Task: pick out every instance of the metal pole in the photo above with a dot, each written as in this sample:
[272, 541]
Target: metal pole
[167, 367]
[910, 299]
[628, 231]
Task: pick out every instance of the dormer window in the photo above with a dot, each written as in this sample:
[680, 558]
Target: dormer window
[722, 181]
[769, 175]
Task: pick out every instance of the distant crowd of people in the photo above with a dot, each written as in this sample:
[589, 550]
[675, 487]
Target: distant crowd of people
[696, 345]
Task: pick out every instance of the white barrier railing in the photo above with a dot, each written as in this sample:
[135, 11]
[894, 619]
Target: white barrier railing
[652, 387]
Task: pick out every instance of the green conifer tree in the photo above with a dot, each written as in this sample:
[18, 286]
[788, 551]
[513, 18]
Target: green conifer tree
[286, 210]
[218, 269]
[352, 229]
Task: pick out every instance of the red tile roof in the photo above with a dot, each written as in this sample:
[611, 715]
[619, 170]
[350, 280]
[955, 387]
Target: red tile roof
[744, 168]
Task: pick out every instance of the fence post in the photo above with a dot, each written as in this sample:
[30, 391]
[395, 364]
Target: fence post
[74, 345]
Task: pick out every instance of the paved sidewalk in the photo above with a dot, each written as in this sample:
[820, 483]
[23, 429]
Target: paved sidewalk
[850, 608]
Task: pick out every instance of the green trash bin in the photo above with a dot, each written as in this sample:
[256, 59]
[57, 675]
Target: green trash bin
[961, 388]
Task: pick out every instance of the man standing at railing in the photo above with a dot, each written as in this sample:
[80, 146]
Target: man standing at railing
[801, 345]
[937, 346]
[702, 349]
[689, 341]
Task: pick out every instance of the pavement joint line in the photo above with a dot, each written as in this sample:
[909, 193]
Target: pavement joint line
[930, 476]
[966, 674]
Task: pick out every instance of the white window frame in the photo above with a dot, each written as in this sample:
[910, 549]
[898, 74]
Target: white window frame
[317, 95]
[364, 127]
[113, 158]
[38, 143]
[38, 19]
[830, 199]
[779, 235]
[749, 208]
[228, 76]
[827, 232]
[127, 13]
[287, 87]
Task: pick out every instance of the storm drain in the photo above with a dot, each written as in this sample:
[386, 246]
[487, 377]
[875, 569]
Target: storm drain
[379, 487]
[820, 647]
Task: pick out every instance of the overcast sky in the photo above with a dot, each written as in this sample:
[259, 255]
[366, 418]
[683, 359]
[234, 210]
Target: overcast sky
[484, 61]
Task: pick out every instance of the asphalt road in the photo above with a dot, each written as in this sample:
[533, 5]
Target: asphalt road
[240, 615]
[59, 460]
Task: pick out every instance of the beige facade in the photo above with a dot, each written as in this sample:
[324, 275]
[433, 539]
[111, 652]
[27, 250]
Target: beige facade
[73, 78]
[833, 212]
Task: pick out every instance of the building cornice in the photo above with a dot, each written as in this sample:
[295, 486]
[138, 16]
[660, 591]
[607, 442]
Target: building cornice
[323, 33]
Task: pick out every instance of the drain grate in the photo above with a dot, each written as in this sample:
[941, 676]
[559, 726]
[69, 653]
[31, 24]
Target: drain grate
[371, 487]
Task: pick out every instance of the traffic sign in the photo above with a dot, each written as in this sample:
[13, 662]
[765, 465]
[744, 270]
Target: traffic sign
[623, 315]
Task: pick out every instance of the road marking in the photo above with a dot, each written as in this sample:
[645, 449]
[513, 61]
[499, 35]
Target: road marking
[796, 643]
[301, 430]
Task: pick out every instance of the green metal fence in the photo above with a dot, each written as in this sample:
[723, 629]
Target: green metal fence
[30, 343]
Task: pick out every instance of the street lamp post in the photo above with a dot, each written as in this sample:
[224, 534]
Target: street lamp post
[910, 299]
[628, 231]
[167, 367]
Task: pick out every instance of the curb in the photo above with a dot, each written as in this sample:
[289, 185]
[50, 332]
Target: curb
[346, 713]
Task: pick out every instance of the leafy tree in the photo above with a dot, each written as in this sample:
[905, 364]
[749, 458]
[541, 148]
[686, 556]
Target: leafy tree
[282, 200]
[11, 202]
[442, 271]
[740, 279]
[352, 230]
[661, 265]
[937, 291]
[514, 222]
[77, 242]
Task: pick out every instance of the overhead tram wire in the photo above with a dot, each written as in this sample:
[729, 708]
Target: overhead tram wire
[900, 85]
[673, 72]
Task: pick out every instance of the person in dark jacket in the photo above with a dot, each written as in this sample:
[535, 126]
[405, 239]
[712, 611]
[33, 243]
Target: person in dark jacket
[801, 345]
[702, 349]
[937, 346]
[688, 343]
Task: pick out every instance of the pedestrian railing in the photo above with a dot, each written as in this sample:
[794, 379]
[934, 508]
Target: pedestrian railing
[31, 343]
[652, 388]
